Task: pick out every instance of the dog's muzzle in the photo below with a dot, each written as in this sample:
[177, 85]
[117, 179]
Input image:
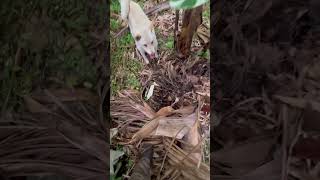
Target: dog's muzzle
[152, 56]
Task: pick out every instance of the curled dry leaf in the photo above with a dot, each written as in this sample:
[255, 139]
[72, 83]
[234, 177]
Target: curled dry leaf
[193, 140]
[175, 127]
[169, 126]
[165, 111]
[146, 130]
[185, 110]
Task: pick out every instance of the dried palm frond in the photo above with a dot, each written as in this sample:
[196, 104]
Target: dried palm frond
[60, 136]
[168, 155]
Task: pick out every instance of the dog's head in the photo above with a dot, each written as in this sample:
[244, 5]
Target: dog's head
[147, 41]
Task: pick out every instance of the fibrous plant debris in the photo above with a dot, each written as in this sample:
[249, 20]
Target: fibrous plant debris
[266, 88]
[175, 119]
[61, 134]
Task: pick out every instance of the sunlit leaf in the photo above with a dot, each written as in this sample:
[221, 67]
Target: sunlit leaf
[186, 4]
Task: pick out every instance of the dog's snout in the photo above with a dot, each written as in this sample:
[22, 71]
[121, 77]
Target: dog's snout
[152, 55]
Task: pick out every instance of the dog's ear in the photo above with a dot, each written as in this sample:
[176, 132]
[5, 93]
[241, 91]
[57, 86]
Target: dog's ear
[137, 37]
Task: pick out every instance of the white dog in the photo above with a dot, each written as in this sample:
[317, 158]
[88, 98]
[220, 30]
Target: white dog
[141, 29]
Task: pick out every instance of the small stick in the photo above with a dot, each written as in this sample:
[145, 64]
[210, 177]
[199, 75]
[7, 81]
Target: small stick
[176, 28]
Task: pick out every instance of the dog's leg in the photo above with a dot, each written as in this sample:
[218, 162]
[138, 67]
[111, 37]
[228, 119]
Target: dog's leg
[124, 8]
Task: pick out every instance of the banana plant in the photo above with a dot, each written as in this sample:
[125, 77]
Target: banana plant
[186, 4]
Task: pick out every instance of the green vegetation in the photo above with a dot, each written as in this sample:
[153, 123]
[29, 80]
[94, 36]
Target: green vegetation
[169, 42]
[45, 41]
[124, 68]
[204, 54]
[186, 4]
[206, 12]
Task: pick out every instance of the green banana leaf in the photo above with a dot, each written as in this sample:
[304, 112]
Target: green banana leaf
[186, 4]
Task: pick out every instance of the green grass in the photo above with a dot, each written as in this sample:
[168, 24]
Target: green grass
[206, 12]
[123, 165]
[53, 48]
[169, 42]
[114, 25]
[124, 70]
[115, 6]
[204, 54]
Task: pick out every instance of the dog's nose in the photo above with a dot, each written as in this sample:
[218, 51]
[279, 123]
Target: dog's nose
[152, 55]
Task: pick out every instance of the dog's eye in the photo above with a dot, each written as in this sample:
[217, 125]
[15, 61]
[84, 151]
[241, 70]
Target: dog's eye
[145, 45]
[151, 42]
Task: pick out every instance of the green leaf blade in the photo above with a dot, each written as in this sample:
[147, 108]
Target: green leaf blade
[186, 4]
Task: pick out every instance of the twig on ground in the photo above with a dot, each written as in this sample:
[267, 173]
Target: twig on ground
[176, 28]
